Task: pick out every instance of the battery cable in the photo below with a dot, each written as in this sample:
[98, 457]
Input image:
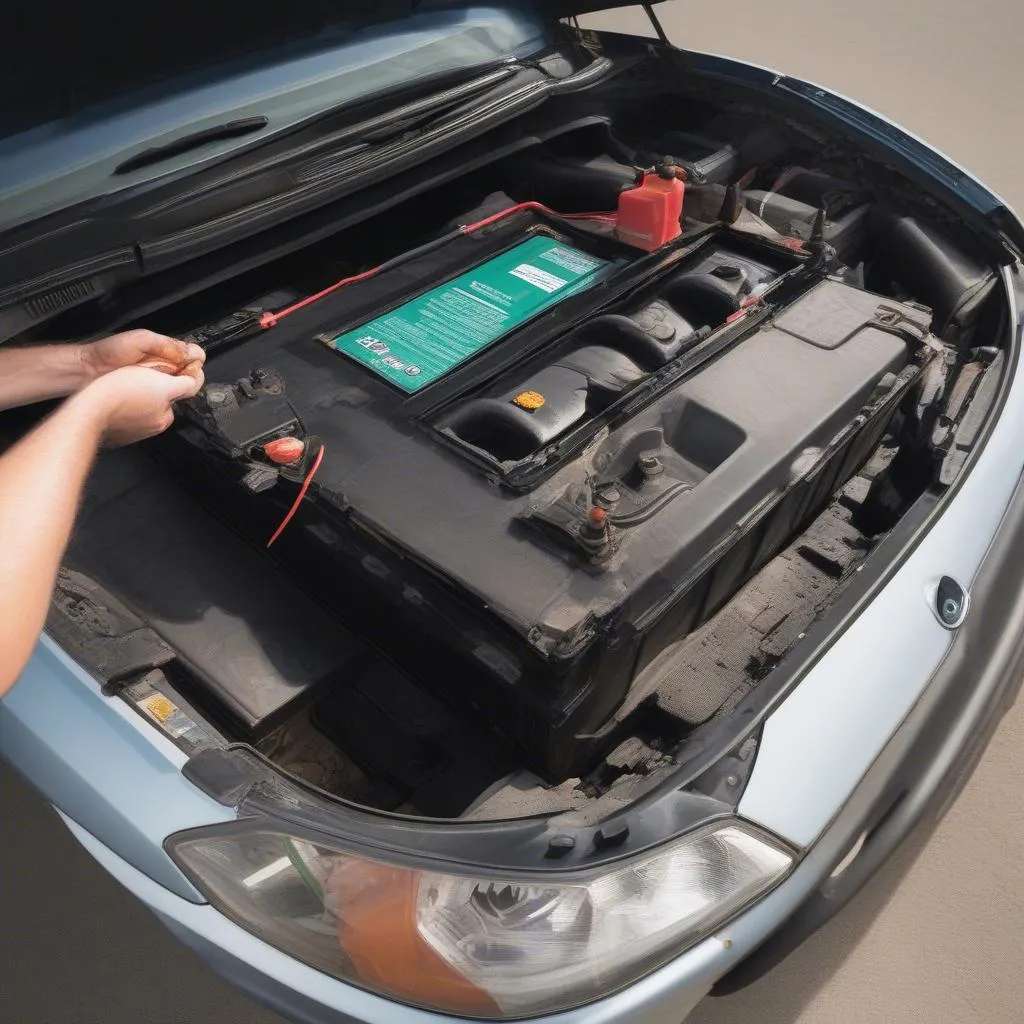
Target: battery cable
[268, 319]
[298, 498]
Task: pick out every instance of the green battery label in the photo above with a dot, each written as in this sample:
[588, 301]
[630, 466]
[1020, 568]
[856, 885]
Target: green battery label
[420, 342]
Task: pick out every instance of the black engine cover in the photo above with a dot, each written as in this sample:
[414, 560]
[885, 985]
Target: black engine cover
[520, 600]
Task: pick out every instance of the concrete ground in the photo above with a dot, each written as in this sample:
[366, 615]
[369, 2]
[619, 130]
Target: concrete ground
[938, 935]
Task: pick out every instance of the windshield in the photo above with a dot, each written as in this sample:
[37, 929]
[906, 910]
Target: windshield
[75, 130]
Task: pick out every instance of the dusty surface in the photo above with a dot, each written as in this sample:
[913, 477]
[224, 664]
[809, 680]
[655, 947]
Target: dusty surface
[938, 936]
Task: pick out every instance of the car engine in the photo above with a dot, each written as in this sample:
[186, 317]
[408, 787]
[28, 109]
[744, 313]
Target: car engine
[495, 499]
[551, 457]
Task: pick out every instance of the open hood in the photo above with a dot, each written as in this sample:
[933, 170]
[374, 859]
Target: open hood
[60, 59]
[95, 101]
[570, 8]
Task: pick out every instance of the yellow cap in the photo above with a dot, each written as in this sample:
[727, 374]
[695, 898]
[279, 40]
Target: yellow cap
[529, 400]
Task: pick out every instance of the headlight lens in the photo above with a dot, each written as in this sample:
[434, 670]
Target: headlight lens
[486, 947]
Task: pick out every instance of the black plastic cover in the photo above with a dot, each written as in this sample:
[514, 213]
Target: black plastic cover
[793, 209]
[509, 602]
[255, 641]
[921, 259]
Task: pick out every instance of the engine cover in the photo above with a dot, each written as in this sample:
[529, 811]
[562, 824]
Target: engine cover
[531, 527]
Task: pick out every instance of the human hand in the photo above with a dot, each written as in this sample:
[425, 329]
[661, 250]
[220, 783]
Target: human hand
[132, 403]
[142, 348]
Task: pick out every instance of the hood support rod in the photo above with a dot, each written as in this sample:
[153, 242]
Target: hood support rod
[649, 10]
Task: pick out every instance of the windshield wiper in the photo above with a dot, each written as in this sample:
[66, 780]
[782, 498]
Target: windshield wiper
[218, 133]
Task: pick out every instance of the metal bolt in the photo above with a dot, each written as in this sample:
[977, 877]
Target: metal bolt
[650, 465]
[594, 535]
[732, 780]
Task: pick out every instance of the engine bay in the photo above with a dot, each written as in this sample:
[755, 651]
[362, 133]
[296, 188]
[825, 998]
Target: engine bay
[492, 503]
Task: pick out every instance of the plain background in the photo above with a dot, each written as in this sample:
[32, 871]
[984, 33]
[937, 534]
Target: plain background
[938, 936]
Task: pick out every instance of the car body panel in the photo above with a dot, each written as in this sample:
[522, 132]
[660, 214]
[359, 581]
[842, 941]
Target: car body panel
[930, 757]
[96, 759]
[846, 708]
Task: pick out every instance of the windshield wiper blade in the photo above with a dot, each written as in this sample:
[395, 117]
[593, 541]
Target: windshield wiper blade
[312, 156]
[218, 133]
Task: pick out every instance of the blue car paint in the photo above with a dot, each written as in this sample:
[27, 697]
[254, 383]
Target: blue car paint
[97, 760]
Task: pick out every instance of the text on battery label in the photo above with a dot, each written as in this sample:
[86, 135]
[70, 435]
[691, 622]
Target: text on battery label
[429, 335]
[539, 278]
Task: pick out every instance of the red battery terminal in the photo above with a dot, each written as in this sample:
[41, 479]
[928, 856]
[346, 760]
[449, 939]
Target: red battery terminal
[285, 451]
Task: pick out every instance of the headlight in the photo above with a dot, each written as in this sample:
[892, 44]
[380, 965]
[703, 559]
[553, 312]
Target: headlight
[486, 947]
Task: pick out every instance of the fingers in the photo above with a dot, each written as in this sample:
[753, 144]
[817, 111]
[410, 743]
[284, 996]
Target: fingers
[193, 369]
[135, 402]
[195, 353]
[161, 348]
[141, 348]
[160, 364]
[185, 385]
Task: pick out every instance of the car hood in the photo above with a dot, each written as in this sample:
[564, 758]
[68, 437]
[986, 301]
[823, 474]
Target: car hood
[562, 8]
[60, 58]
[87, 89]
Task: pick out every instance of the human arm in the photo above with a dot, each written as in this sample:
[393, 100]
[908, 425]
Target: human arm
[35, 373]
[41, 481]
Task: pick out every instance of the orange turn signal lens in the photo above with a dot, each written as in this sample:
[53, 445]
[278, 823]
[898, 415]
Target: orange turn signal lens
[378, 932]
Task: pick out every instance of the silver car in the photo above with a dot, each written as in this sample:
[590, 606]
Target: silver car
[597, 543]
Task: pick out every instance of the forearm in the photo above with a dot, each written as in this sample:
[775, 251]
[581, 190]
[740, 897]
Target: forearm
[41, 481]
[39, 372]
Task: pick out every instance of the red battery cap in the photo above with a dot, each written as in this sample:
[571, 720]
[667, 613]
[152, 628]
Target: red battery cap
[285, 451]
